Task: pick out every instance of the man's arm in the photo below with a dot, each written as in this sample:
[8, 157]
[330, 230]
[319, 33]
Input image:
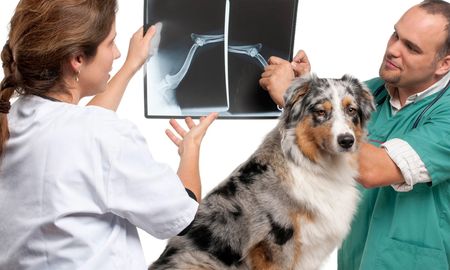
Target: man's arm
[376, 168]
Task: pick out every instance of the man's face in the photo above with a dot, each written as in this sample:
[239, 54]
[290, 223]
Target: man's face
[410, 60]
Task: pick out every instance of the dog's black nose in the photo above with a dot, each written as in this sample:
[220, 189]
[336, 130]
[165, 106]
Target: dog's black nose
[346, 140]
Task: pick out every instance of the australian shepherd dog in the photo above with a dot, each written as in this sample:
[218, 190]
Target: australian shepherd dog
[291, 203]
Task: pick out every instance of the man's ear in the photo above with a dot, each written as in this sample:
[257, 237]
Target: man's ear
[443, 66]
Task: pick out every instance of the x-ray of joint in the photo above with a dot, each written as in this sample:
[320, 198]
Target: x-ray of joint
[208, 56]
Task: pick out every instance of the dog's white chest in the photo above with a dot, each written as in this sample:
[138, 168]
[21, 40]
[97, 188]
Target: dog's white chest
[332, 201]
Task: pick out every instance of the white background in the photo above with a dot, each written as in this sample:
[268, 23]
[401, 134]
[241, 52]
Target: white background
[347, 36]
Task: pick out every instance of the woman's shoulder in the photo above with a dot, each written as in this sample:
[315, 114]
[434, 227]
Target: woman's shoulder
[103, 121]
[61, 121]
[69, 118]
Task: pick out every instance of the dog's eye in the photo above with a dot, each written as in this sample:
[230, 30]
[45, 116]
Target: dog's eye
[351, 111]
[320, 113]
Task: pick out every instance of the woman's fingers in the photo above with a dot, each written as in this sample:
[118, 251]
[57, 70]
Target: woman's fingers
[177, 127]
[193, 136]
[189, 122]
[173, 137]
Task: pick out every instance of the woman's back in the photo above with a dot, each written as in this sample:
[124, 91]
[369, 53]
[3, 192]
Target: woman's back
[55, 189]
[74, 183]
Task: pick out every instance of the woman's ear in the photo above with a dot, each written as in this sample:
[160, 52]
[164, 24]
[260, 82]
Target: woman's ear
[76, 61]
[73, 68]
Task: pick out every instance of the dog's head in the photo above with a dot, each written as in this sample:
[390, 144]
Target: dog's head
[324, 116]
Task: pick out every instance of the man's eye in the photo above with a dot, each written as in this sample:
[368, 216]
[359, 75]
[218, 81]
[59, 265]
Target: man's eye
[412, 49]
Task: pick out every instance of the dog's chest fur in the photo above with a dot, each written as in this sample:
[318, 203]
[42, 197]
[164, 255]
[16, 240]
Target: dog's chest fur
[330, 198]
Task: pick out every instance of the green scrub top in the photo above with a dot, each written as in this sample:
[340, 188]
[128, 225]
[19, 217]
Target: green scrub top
[405, 230]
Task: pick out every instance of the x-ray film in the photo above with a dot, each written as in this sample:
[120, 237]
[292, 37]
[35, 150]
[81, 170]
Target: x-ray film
[208, 55]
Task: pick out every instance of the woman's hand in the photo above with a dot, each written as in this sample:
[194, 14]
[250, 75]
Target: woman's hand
[139, 48]
[188, 143]
[192, 138]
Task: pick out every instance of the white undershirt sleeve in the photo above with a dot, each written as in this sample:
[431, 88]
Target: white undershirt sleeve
[409, 162]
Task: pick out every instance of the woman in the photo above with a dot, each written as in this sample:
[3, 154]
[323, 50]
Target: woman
[76, 181]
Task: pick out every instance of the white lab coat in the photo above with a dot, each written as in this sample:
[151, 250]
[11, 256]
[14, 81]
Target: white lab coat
[75, 182]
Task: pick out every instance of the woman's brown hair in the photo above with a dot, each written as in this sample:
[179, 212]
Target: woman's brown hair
[43, 35]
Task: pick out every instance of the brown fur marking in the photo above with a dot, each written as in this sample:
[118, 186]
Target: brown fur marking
[261, 257]
[297, 238]
[327, 106]
[347, 101]
[310, 139]
[300, 93]
[304, 140]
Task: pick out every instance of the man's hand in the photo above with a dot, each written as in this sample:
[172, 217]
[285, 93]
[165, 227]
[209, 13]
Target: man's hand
[278, 75]
[301, 64]
[276, 78]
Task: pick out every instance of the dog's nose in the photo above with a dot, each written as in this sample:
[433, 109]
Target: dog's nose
[346, 140]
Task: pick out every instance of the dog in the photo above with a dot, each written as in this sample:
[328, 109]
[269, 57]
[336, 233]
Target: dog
[292, 202]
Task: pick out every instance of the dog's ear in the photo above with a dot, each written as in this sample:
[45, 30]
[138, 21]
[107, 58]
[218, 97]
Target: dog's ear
[298, 89]
[364, 98]
[367, 103]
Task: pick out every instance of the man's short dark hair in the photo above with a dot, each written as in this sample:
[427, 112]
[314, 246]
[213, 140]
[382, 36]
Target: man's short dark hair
[439, 7]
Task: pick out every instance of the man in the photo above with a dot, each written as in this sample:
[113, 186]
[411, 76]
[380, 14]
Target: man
[403, 221]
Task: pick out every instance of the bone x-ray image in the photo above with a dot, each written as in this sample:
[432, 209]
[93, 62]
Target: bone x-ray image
[208, 55]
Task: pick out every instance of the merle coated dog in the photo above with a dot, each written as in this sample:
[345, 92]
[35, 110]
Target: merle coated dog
[291, 203]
